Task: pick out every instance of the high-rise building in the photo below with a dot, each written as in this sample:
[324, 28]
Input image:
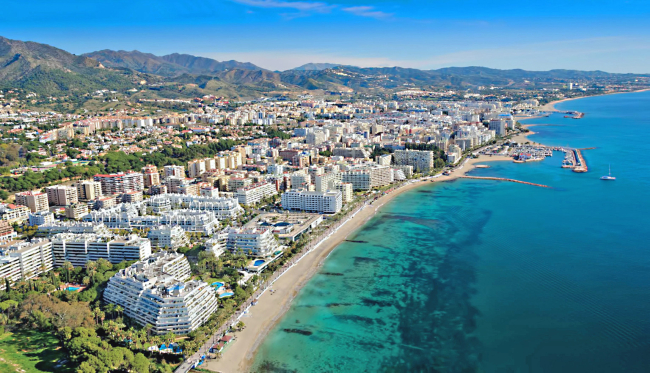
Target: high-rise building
[329, 202]
[60, 195]
[156, 291]
[120, 183]
[80, 248]
[24, 260]
[88, 190]
[36, 201]
[252, 241]
[150, 175]
[421, 160]
[173, 170]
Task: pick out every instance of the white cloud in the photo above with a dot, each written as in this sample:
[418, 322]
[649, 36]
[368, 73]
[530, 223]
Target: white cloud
[303, 6]
[367, 11]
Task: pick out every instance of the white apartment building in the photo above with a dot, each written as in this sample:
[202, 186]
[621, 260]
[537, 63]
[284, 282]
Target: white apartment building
[173, 170]
[346, 190]
[218, 243]
[14, 213]
[40, 218]
[80, 248]
[20, 259]
[88, 190]
[60, 195]
[329, 202]
[170, 236]
[72, 227]
[258, 242]
[421, 160]
[254, 193]
[155, 291]
[367, 177]
[120, 183]
[36, 201]
[300, 180]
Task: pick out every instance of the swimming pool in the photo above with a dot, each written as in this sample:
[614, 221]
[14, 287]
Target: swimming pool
[217, 284]
[258, 263]
[72, 288]
[225, 295]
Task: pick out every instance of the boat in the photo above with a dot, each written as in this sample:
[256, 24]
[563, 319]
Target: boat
[608, 176]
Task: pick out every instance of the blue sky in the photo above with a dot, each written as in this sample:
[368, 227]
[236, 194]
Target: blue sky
[281, 34]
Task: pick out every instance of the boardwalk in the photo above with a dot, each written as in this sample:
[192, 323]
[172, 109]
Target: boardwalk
[504, 179]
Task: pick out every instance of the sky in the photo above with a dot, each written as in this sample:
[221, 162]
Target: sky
[612, 36]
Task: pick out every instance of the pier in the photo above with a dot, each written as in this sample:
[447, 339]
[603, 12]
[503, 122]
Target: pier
[505, 179]
[581, 165]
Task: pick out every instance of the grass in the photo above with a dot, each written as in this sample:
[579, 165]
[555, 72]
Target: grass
[31, 351]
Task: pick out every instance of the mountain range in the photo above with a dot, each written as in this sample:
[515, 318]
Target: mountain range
[48, 70]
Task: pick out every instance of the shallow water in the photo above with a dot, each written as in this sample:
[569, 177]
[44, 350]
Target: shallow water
[489, 276]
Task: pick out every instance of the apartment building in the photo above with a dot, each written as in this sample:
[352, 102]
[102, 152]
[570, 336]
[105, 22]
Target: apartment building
[346, 190]
[24, 260]
[173, 170]
[88, 190]
[14, 213]
[254, 193]
[40, 218]
[421, 160]
[258, 242]
[75, 227]
[60, 195]
[326, 181]
[80, 248]
[76, 211]
[155, 291]
[168, 236]
[329, 202]
[222, 207]
[7, 232]
[120, 183]
[150, 176]
[367, 177]
[36, 201]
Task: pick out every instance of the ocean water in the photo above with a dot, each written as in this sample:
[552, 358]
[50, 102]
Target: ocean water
[488, 276]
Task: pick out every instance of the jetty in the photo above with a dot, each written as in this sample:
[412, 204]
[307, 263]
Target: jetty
[581, 165]
[504, 179]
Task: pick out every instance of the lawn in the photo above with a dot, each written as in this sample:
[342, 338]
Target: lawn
[31, 351]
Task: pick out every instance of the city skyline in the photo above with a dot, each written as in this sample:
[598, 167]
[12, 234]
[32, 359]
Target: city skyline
[281, 35]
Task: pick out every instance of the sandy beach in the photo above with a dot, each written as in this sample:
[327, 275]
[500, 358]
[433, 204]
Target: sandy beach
[551, 105]
[261, 318]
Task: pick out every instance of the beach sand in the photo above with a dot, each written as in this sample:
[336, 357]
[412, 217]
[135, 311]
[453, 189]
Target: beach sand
[261, 318]
[551, 105]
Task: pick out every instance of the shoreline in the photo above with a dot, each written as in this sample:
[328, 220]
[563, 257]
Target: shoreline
[550, 107]
[271, 307]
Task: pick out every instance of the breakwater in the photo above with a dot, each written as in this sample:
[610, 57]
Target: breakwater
[505, 179]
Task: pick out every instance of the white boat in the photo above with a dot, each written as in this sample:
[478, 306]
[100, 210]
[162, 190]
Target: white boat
[609, 176]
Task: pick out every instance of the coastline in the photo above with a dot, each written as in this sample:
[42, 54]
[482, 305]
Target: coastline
[550, 107]
[261, 319]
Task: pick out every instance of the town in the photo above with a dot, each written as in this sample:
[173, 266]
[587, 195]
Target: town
[173, 222]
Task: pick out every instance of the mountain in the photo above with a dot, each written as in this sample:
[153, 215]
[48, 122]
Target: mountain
[45, 69]
[170, 65]
[316, 66]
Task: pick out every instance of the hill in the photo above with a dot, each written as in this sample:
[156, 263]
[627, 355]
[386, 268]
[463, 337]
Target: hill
[169, 65]
[48, 70]
[316, 66]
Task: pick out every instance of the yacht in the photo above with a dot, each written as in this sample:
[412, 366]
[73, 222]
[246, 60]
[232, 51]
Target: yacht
[608, 176]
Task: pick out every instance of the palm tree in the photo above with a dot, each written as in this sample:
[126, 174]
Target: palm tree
[110, 308]
[86, 280]
[119, 309]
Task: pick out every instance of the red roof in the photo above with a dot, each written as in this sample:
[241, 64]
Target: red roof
[226, 338]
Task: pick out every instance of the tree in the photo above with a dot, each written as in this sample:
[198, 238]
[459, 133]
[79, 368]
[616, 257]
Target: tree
[140, 363]
[67, 267]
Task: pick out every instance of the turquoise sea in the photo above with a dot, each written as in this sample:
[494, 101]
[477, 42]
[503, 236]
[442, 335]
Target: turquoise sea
[487, 276]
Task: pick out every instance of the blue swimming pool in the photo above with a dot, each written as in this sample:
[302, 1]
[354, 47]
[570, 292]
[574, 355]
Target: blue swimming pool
[217, 284]
[72, 288]
[225, 295]
[258, 263]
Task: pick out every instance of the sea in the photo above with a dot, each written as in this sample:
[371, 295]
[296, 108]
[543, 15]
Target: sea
[490, 276]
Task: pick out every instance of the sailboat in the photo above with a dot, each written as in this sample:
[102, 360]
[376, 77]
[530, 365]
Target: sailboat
[609, 176]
